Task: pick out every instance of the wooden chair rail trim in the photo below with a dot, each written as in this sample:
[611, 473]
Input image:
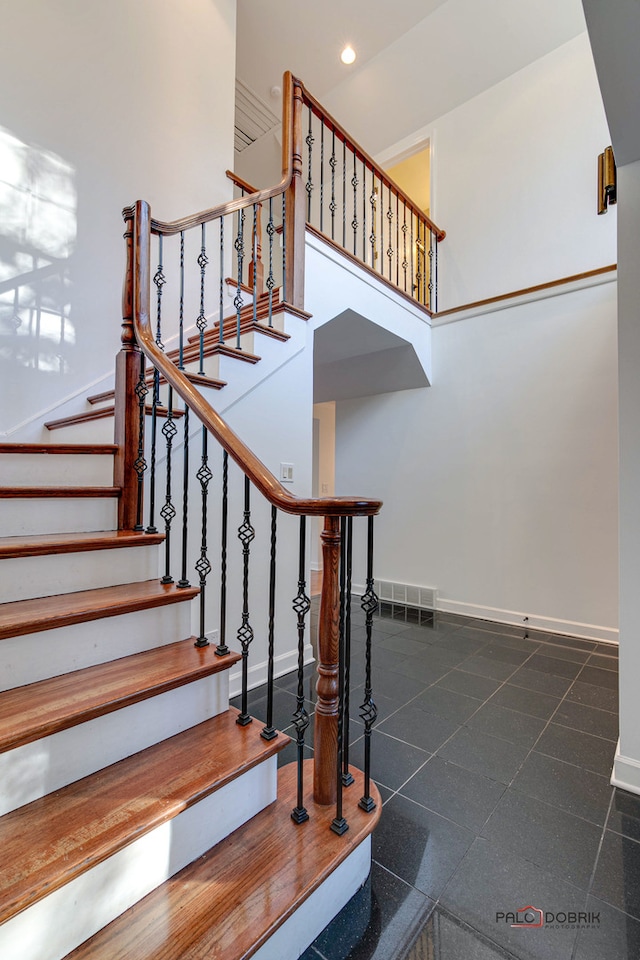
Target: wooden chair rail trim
[96, 449]
[261, 477]
[365, 266]
[549, 285]
[362, 155]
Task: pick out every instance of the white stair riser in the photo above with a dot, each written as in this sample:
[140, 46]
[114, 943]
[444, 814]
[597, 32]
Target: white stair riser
[22, 578]
[91, 431]
[98, 896]
[293, 937]
[37, 768]
[29, 516]
[60, 469]
[50, 653]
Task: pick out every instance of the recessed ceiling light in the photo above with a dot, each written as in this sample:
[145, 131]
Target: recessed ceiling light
[348, 55]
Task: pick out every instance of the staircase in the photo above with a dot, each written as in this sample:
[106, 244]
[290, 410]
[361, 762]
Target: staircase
[138, 819]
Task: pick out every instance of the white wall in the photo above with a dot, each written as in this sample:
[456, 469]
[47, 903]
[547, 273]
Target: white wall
[499, 481]
[627, 767]
[108, 103]
[515, 176]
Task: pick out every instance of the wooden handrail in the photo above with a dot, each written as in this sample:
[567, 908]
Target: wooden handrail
[258, 473]
[239, 182]
[362, 155]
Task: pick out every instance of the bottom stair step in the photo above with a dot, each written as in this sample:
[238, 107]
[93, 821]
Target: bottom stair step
[240, 899]
[90, 850]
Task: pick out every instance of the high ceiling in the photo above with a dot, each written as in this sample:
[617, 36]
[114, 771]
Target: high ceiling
[416, 59]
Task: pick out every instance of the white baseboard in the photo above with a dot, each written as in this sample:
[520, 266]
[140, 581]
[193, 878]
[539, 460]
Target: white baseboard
[587, 631]
[626, 772]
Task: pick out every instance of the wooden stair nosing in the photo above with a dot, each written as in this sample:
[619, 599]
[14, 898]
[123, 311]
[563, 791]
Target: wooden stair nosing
[248, 326]
[60, 448]
[21, 617]
[227, 903]
[41, 709]
[50, 841]
[72, 493]
[100, 414]
[55, 543]
[200, 379]
[192, 352]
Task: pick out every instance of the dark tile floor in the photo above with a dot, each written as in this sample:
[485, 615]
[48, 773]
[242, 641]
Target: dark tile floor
[493, 750]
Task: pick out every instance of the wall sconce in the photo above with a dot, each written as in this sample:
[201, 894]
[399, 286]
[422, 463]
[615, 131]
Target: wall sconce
[606, 180]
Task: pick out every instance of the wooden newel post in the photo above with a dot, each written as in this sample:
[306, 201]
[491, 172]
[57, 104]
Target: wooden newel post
[326, 714]
[295, 211]
[126, 430]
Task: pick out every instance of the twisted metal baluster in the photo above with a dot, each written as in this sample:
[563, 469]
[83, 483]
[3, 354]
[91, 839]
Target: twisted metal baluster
[140, 464]
[347, 778]
[203, 565]
[246, 533]
[368, 710]
[222, 649]
[339, 823]
[344, 193]
[364, 212]
[354, 222]
[159, 279]
[301, 607]
[238, 302]
[332, 164]
[390, 219]
[309, 185]
[373, 200]
[284, 246]
[184, 580]
[181, 306]
[201, 321]
[435, 275]
[168, 511]
[412, 251]
[254, 261]
[404, 245]
[397, 240]
[270, 280]
[269, 732]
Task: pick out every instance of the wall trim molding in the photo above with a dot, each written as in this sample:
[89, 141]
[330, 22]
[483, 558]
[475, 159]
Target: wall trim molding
[542, 291]
[626, 772]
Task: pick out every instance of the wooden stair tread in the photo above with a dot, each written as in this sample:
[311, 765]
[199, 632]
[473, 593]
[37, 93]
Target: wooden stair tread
[247, 326]
[41, 709]
[64, 448]
[38, 493]
[100, 414]
[191, 352]
[199, 379]
[20, 617]
[54, 543]
[228, 902]
[54, 839]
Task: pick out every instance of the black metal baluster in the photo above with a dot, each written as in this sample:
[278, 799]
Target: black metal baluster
[382, 219]
[344, 193]
[270, 281]
[347, 778]
[269, 732]
[321, 175]
[404, 245]
[426, 278]
[373, 200]
[184, 580]
[140, 464]
[354, 222]
[332, 164]
[246, 533]
[339, 824]
[412, 251]
[431, 270]
[238, 301]
[435, 275]
[301, 607]
[390, 219]
[309, 186]
[203, 565]
[181, 307]
[368, 710]
[364, 212]
[397, 240]
[254, 261]
[222, 649]
[221, 291]
[285, 292]
[159, 279]
[168, 511]
[201, 322]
